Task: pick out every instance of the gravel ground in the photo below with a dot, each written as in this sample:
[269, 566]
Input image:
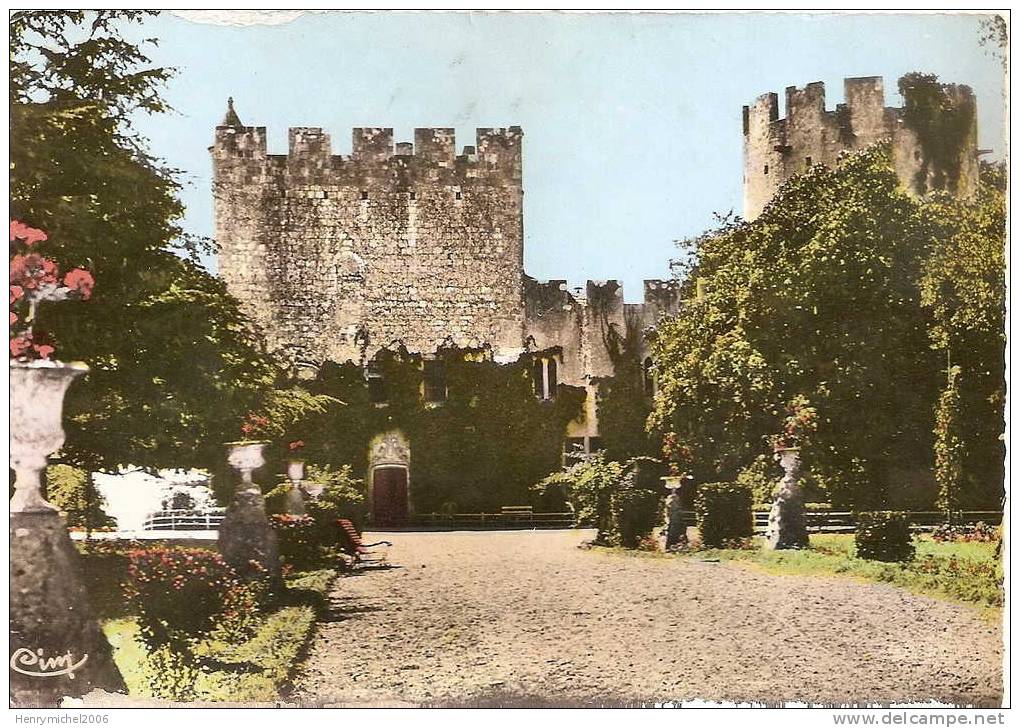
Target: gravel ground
[528, 618]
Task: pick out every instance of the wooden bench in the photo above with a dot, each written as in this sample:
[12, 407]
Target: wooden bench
[353, 546]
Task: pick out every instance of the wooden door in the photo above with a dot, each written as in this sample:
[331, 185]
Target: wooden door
[389, 497]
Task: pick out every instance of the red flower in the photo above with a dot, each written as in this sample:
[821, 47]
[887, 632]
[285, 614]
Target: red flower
[254, 424]
[296, 445]
[20, 345]
[32, 271]
[14, 318]
[21, 231]
[16, 293]
[43, 350]
[80, 281]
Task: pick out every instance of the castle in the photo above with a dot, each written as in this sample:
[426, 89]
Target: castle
[776, 149]
[412, 245]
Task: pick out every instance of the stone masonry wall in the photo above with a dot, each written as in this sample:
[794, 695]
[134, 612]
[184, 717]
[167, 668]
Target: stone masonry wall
[776, 149]
[578, 323]
[337, 256]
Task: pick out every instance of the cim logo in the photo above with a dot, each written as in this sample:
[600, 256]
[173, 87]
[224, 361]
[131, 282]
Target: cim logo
[36, 664]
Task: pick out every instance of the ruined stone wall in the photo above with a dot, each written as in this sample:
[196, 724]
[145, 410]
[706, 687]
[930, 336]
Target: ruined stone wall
[337, 256]
[775, 149]
[579, 323]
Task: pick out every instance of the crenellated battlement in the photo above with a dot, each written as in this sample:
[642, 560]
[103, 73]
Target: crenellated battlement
[495, 158]
[777, 148]
[335, 253]
[661, 297]
[864, 102]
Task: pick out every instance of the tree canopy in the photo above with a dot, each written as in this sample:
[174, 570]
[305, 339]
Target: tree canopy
[174, 364]
[829, 299]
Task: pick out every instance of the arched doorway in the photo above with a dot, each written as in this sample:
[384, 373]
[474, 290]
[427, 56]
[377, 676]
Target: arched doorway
[389, 496]
[389, 465]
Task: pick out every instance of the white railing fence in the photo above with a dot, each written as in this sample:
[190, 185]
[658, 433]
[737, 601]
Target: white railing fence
[184, 520]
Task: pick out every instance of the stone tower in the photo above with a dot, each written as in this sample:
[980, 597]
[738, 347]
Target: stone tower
[338, 256]
[776, 149]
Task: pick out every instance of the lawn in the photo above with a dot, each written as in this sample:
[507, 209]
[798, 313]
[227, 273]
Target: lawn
[965, 572]
[254, 670]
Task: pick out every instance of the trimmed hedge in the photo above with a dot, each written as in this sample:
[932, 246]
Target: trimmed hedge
[636, 513]
[883, 536]
[298, 540]
[723, 512]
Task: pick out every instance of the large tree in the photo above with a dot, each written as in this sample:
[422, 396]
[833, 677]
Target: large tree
[820, 298]
[964, 287]
[174, 365]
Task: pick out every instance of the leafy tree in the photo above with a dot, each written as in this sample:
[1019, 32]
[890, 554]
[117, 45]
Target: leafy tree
[837, 295]
[73, 492]
[589, 485]
[174, 364]
[622, 500]
[818, 298]
[964, 287]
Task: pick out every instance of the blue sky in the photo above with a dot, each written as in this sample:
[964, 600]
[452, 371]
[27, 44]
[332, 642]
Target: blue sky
[632, 122]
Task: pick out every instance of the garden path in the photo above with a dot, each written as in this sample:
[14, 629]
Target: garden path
[525, 617]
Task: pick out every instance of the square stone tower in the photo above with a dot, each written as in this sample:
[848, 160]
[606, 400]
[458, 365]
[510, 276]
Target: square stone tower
[776, 149]
[338, 256]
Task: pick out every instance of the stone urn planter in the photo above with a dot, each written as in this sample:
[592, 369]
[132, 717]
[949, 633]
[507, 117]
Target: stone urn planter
[787, 528]
[314, 490]
[676, 523]
[295, 497]
[57, 649]
[247, 541]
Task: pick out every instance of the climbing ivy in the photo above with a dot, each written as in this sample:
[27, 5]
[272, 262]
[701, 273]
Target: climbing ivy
[480, 448]
[943, 121]
[949, 445]
[623, 404]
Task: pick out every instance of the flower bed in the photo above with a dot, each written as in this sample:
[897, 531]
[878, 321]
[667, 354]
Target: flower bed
[249, 661]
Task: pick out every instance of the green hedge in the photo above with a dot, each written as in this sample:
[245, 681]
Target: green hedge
[297, 537]
[723, 512]
[883, 536]
[636, 513]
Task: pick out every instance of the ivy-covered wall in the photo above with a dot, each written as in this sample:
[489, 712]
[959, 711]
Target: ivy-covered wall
[943, 116]
[480, 448]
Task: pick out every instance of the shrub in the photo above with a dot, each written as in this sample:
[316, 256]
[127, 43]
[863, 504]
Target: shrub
[342, 494]
[73, 492]
[622, 501]
[298, 538]
[276, 499]
[636, 513]
[723, 512]
[761, 476]
[589, 485]
[181, 596]
[979, 531]
[883, 536]
[973, 581]
[179, 593]
[636, 503]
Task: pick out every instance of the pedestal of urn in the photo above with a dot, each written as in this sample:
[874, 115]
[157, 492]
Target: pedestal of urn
[676, 523]
[247, 541]
[57, 649]
[787, 528]
[295, 498]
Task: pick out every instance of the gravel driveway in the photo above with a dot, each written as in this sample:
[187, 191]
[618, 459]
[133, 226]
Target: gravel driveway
[526, 617]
